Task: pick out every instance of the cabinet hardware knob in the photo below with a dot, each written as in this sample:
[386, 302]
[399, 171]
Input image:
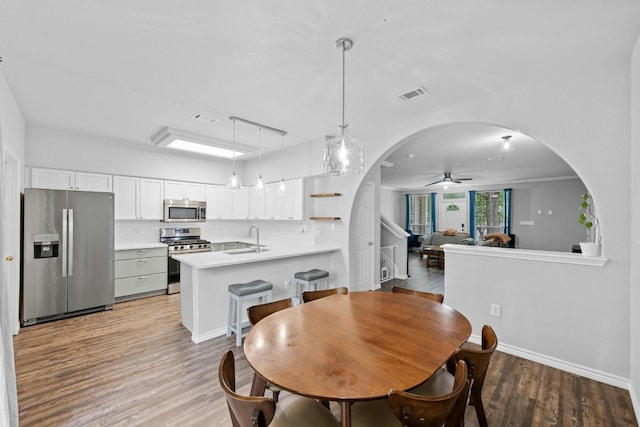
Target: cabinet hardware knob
[9, 258]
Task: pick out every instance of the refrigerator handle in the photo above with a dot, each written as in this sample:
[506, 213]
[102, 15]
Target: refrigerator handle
[64, 242]
[70, 242]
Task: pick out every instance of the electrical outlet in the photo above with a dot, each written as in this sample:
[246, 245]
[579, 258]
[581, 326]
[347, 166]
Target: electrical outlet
[495, 310]
[287, 284]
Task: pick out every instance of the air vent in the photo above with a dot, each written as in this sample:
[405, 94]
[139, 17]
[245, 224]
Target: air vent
[203, 118]
[413, 93]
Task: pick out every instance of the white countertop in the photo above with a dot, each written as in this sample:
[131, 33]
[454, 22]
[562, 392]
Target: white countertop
[128, 246]
[203, 260]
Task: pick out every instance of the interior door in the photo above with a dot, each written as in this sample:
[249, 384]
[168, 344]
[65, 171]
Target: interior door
[11, 173]
[363, 245]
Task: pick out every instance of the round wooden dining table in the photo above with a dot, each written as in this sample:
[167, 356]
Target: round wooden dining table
[354, 347]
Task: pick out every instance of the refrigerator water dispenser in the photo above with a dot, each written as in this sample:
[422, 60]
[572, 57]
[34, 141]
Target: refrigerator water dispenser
[45, 245]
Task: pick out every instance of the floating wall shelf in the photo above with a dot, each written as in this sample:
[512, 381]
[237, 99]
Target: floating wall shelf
[325, 195]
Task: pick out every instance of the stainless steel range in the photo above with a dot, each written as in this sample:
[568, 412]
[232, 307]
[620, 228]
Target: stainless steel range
[181, 241]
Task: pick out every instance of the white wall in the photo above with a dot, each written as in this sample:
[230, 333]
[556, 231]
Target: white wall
[61, 149]
[586, 120]
[390, 202]
[567, 326]
[634, 227]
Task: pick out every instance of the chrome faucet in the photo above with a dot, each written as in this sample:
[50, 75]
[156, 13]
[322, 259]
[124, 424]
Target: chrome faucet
[257, 236]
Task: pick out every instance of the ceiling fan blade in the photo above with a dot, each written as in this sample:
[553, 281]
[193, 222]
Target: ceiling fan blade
[464, 179]
[437, 182]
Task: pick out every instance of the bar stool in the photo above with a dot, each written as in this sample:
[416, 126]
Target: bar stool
[239, 293]
[310, 279]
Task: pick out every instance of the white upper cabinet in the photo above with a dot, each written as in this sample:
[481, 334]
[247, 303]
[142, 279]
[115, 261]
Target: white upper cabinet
[257, 203]
[284, 206]
[184, 190]
[241, 203]
[57, 179]
[293, 200]
[137, 198]
[219, 202]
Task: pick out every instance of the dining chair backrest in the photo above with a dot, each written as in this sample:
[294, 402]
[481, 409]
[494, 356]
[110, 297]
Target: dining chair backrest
[314, 295]
[435, 297]
[245, 411]
[258, 312]
[415, 410]
[478, 364]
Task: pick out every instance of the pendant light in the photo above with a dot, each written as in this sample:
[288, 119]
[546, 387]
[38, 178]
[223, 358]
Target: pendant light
[343, 154]
[258, 186]
[233, 183]
[282, 187]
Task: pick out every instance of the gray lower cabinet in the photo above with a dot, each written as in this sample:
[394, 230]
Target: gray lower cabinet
[140, 272]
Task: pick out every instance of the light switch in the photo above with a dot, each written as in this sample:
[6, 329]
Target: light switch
[539, 212]
[550, 212]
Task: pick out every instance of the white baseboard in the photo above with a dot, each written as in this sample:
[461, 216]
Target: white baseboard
[634, 401]
[401, 276]
[583, 371]
[208, 335]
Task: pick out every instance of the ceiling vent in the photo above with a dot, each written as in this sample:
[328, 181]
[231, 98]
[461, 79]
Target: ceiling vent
[413, 93]
[203, 118]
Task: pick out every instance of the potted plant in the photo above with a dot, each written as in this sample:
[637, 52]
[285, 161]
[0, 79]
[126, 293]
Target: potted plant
[587, 218]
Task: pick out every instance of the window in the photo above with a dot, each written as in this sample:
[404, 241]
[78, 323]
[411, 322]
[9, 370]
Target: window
[490, 212]
[420, 213]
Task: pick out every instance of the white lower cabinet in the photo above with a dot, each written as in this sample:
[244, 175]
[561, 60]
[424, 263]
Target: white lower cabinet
[140, 272]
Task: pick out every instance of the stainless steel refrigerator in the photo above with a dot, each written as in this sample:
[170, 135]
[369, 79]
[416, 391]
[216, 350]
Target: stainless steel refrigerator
[67, 254]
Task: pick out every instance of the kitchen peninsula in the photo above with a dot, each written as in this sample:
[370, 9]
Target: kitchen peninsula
[205, 277]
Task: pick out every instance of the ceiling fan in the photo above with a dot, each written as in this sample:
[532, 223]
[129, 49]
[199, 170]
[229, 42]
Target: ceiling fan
[447, 178]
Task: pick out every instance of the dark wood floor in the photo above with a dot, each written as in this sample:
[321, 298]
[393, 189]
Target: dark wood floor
[136, 366]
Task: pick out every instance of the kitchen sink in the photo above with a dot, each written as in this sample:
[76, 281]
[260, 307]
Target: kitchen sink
[244, 251]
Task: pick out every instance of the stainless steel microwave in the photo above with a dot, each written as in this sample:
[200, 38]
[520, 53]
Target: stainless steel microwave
[184, 211]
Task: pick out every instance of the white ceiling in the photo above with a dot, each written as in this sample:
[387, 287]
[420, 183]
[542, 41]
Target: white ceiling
[125, 69]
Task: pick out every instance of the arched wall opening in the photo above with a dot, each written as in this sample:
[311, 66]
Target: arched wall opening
[545, 215]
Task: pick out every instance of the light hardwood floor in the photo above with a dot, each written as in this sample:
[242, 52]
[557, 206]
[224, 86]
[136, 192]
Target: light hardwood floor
[136, 366]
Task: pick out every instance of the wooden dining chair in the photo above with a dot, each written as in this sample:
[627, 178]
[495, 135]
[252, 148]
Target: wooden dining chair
[314, 295]
[435, 297]
[253, 411]
[256, 313]
[478, 364]
[407, 409]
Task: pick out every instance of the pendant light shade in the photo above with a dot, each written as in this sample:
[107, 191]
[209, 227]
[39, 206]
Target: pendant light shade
[234, 183]
[343, 154]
